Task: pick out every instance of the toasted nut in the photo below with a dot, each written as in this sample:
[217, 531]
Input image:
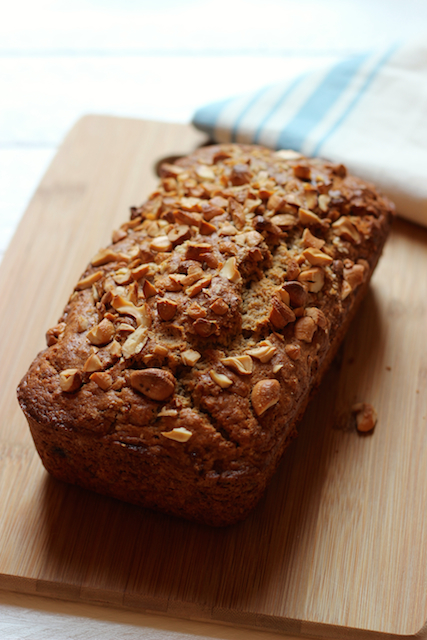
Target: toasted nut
[265, 394]
[230, 271]
[305, 328]
[135, 342]
[204, 328]
[219, 378]
[53, 334]
[344, 228]
[324, 201]
[188, 218]
[313, 278]
[105, 255]
[196, 288]
[240, 174]
[366, 416]
[302, 172]
[264, 351]
[204, 172]
[280, 314]
[177, 235]
[156, 384]
[93, 363]
[122, 276]
[190, 357]
[227, 229]
[70, 380]
[118, 234]
[125, 328]
[141, 271]
[167, 413]
[148, 289]
[284, 220]
[309, 240]
[141, 314]
[166, 309]
[240, 364]
[288, 154]
[277, 367]
[195, 311]
[198, 251]
[355, 275]
[115, 349]
[86, 283]
[190, 204]
[219, 306]
[175, 282]
[212, 209]
[102, 333]
[318, 316]
[102, 379]
[293, 351]
[168, 170]
[308, 217]
[206, 228]
[179, 434]
[346, 290]
[296, 292]
[161, 243]
[82, 324]
[316, 257]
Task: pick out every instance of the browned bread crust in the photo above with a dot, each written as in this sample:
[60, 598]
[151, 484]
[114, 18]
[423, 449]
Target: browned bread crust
[190, 346]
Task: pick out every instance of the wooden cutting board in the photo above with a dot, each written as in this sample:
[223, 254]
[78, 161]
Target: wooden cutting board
[338, 545]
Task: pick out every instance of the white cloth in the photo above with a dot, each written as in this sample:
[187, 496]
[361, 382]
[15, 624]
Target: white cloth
[368, 112]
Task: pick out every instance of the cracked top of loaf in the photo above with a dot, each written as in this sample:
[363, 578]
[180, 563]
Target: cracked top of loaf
[198, 331]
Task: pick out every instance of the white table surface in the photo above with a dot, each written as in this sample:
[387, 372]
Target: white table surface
[158, 59]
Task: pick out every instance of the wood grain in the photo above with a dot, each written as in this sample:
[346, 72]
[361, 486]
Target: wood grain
[336, 548]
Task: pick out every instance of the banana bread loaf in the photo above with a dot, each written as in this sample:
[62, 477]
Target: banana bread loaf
[189, 348]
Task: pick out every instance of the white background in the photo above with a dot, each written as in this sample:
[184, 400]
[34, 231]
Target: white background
[158, 59]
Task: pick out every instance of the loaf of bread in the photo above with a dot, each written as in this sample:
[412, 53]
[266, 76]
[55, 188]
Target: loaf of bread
[190, 346]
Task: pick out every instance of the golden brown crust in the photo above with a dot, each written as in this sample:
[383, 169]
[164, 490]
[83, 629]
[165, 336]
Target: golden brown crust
[189, 347]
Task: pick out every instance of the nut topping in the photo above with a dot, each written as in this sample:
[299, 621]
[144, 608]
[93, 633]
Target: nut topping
[240, 364]
[308, 217]
[166, 309]
[230, 271]
[313, 278]
[355, 275]
[344, 228]
[305, 328]
[293, 351]
[102, 333]
[93, 363]
[161, 244]
[219, 306]
[220, 379]
[316, 257]
[70, 380]
[179, 434]
[280, 314]
[309, 240]
[198, 286]
[102, 379]
[105, 255]
[156, 384]
[53, 334]
[264, 351]
[177, 235]
[190, 357]
[88, 281]
[265, 394]
[135, 342]
[148, 289]
[204, 328]
[297, 293]
[126, 307]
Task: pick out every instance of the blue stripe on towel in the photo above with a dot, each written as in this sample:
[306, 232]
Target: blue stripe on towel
[319, 103]
[276, 106]
[206, 117]
[356, 98]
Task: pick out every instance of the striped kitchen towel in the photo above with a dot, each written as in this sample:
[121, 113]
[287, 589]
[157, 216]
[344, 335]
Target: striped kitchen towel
[368, 112]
